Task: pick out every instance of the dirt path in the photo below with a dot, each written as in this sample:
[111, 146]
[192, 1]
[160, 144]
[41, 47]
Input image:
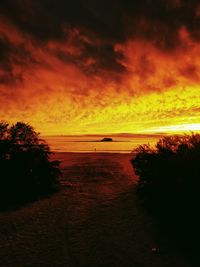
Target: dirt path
[96, 222]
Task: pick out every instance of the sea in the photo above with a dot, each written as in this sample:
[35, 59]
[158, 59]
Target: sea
[83, 144]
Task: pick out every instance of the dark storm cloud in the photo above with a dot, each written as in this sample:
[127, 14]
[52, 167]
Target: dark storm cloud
[114, 20]
[106, 59]
[109, 22]
[13, 58]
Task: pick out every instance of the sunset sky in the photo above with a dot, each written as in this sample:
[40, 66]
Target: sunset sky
[101, 66]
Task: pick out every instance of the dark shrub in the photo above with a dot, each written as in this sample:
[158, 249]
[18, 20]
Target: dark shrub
[26, 172]
[169, 181]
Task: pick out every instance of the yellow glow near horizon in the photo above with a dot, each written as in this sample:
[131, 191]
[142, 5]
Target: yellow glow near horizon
[193, 127]
[175, 110]
[170, 111]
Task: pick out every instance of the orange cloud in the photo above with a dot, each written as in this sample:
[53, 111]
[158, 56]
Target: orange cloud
[81, 84]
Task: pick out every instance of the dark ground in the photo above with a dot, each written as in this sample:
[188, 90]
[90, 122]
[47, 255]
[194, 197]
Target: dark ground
[95, 221]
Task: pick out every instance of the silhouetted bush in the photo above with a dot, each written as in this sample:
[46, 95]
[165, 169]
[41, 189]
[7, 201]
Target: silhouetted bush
[26, 172]
[169, 181]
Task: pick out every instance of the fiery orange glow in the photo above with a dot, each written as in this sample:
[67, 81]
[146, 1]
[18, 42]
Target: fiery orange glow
[59, 91]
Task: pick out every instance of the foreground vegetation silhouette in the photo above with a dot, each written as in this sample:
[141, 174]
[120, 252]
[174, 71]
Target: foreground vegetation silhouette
[26, 172]
[169, 184]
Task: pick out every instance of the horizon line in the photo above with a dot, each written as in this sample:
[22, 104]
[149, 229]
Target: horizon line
[106, 135]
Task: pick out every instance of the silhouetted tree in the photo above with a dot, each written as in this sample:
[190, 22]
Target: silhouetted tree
[23, 134]
[173, 165]
[3, 130]
[26, 172]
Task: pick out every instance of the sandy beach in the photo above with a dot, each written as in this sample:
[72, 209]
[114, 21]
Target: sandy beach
[96, 220]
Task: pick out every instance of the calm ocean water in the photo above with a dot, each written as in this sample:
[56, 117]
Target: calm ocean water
[94, 144]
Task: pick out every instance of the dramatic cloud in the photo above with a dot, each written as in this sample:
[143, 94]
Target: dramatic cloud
[100, 66]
